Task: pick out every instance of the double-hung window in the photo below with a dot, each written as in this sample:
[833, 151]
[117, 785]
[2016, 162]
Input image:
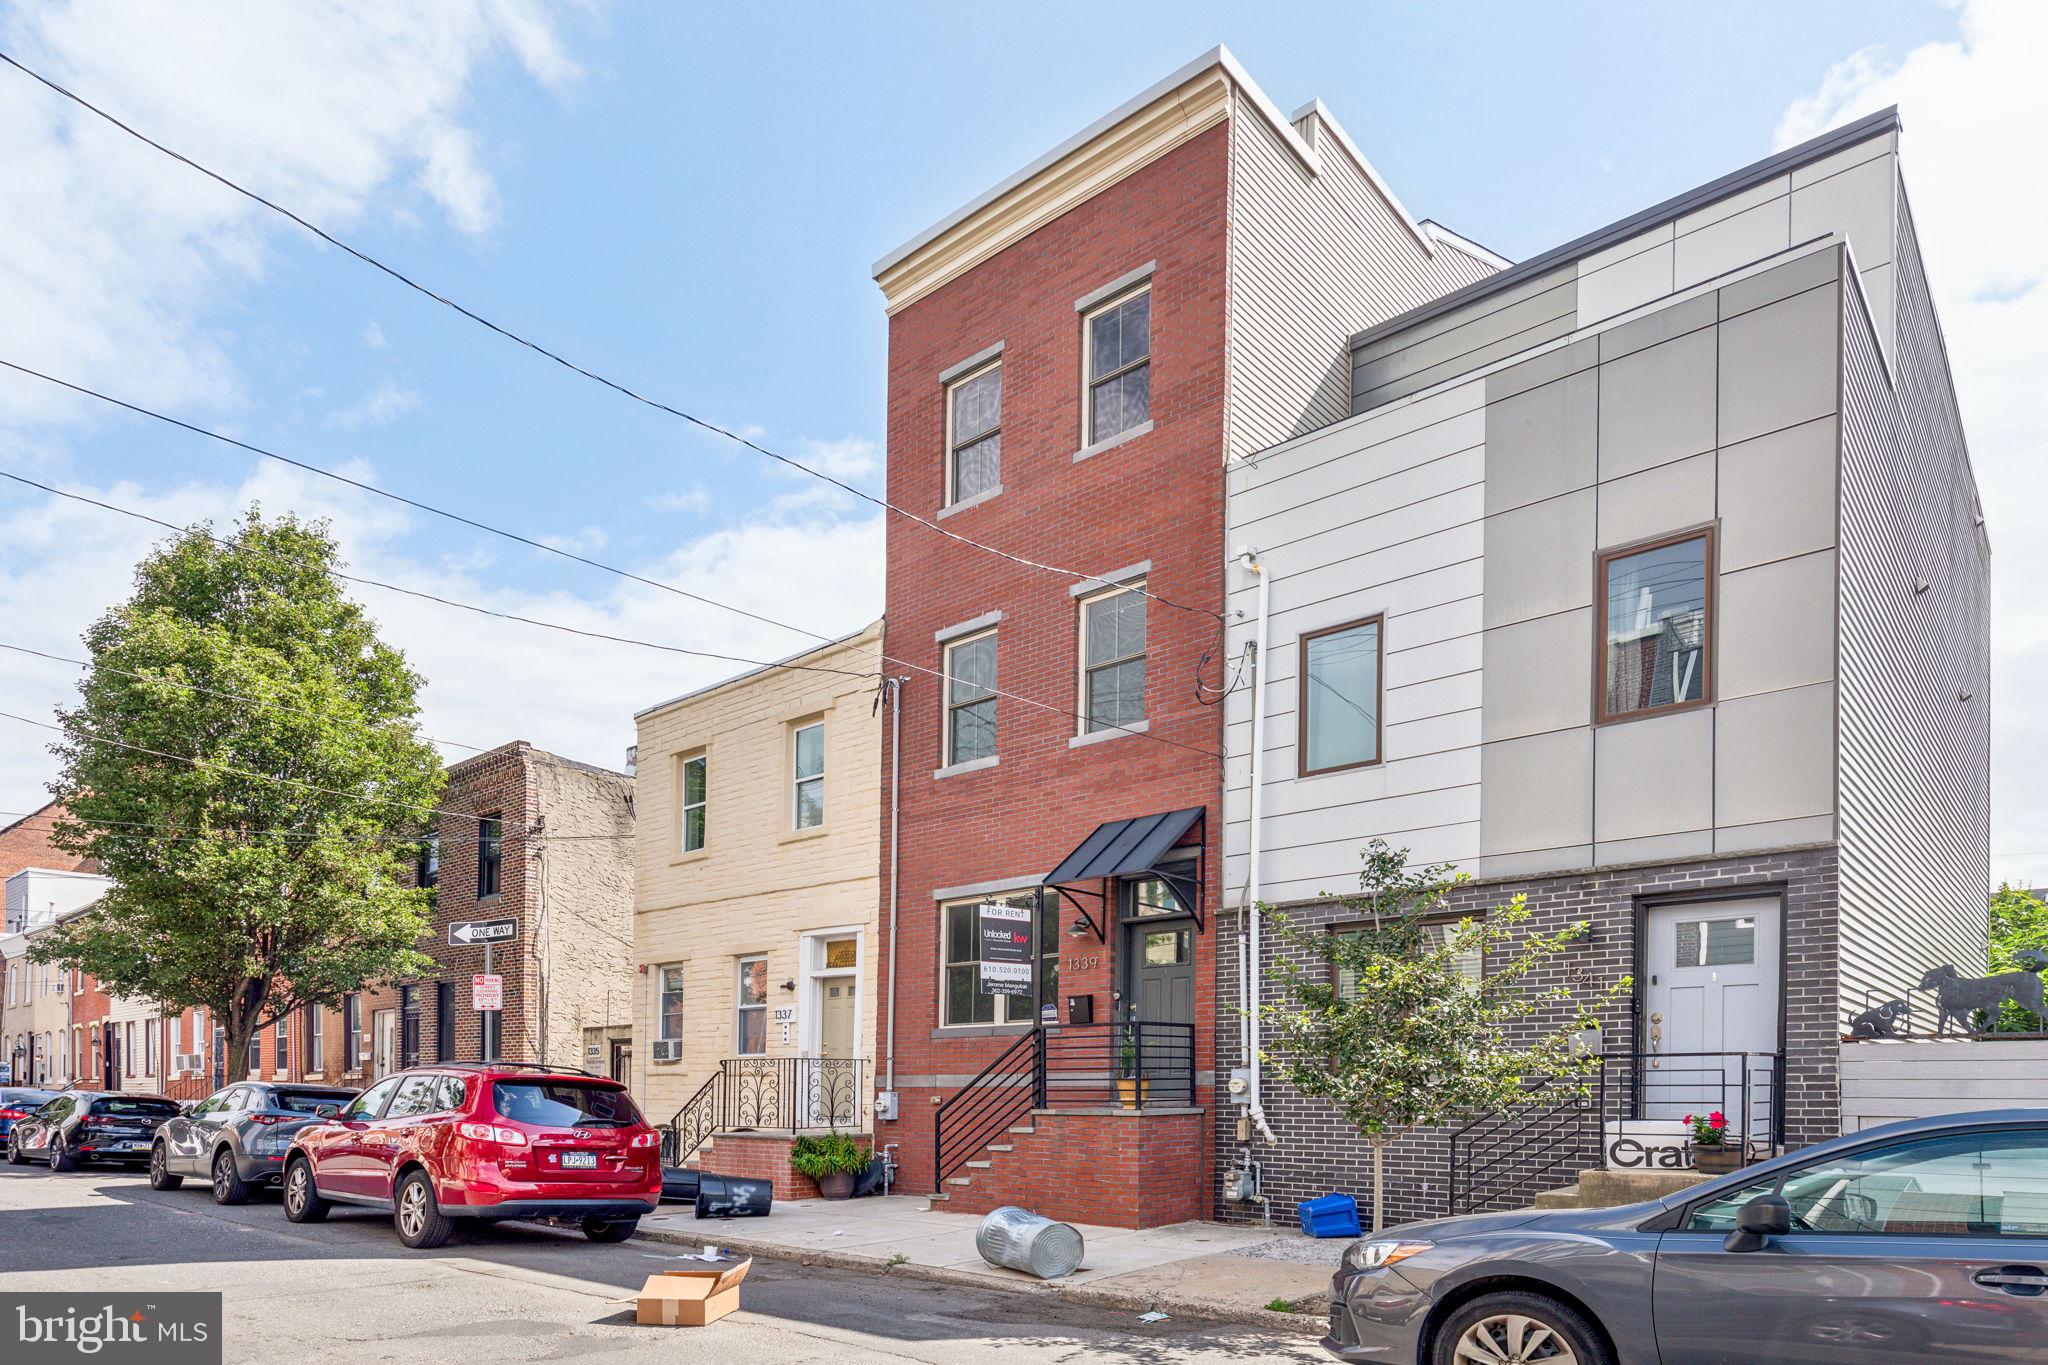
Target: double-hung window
[971, 698]
[1118, 339]
[284, 1045]
[962, 1000]
[807, 753]
[1339, 697]
[352, 1033]
[315, 1042]
[1437, 934]
[1113, 659]
[1656, 626]
[490, 854]
[974, 434]
[696, 775]
[750, 1028]
[669, 1015]
[428, 872]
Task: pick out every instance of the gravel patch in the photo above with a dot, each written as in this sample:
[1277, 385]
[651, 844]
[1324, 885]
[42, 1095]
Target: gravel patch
[1307, 1250]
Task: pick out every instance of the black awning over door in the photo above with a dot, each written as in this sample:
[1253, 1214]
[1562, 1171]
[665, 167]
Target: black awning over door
[1128, 848]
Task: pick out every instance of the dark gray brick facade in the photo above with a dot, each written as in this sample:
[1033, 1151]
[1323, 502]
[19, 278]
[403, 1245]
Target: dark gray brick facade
[1319, 1152]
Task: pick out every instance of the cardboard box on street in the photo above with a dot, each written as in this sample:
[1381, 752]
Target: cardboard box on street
[691, 1298]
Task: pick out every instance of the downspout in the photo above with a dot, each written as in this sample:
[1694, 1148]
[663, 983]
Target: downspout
[1253, 889]
[895, 686]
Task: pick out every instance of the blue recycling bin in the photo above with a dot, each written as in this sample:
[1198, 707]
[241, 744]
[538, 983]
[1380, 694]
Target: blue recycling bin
[1333, 1215]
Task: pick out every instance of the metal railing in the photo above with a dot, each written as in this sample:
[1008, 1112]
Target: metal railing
[1134, 1064]
[776, 1093]
[1501, 1160]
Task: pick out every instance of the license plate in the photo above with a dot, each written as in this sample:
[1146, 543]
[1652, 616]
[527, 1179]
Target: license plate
[579, 1161]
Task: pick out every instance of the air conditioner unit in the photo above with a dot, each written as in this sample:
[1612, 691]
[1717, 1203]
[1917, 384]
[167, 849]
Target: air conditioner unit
[670, 1051]
[190, 1061]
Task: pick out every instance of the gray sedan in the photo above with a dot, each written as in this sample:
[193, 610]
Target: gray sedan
[1922, 1240]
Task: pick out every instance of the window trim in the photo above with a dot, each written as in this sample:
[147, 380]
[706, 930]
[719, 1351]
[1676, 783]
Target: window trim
[1707, 532]
[661, 971]
[951, 473]
[684, 805]
[796, 728]
[1085, 728]
[1039, 952]
[947, 706]
[490, 831]
[740, 1008]
[427, 866]
[1378, 620]
[1090, 310]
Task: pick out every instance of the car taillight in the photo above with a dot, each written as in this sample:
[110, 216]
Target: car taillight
[484, 1132]
[645, 1140]
[265, 1118]
[94, 1121]
[13, 1115]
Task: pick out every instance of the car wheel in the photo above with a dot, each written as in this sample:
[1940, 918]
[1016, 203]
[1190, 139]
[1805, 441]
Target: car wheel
[419, 1218]
[1513, 1328]
[60, 1155]
[160, 1177]
[610, 1229]
[14, 1156]
[228, 1185]
[302, 1202]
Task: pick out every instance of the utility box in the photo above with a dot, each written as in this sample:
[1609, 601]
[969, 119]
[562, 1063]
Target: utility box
[1080, 1009]
[885, 1106]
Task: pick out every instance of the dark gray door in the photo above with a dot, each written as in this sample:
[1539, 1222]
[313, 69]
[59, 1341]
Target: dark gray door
[1161, 970]
[1932, 1248]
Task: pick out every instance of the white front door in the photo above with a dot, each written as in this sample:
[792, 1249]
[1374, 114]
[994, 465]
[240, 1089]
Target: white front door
[1711, 1031]
[383, 1042]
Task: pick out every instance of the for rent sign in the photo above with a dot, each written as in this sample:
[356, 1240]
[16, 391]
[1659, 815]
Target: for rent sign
[1005, 949]
[119, 1329]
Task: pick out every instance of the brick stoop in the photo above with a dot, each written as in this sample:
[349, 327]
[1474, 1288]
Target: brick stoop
[1131, 1168]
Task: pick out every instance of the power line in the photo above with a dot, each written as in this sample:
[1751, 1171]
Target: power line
[441, 840]
[590, 374]
[358, 484]
[602, 635]
[211, 691]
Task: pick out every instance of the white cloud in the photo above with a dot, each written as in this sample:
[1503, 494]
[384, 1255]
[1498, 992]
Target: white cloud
[1981, 210]
[111, 255]
[695, 498]
[373, 337]
[852, 458]
[387, 402]
[587, 541]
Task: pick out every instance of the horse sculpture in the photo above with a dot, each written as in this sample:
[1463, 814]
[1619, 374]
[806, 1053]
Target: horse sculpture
[1957, 997]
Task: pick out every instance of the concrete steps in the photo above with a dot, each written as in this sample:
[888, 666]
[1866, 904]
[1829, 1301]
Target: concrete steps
[960, 1185]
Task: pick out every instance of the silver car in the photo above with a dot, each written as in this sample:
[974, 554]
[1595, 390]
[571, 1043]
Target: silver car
[1918, 1241]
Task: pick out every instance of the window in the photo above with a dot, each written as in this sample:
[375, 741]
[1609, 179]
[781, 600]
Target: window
[1656, 626]
[1119, 344]
[669, 1018]
[417, 1095]
[750, 1030]
[490, 854]
[1113, 659]
[428, 872]
[454, 1093]
[971, 698]
[149, 1032]
[444, 1021]
[565, 1104]
[284, 1046]
[963, 1000]
[1338, 697]
[1958, 1184]
[371, 1102]
[695, 789]
[315, 1041]
[1714, 942]
[351, 1032]
[974, 434]
[809, 754]
[1471, 961]
[255, 1052]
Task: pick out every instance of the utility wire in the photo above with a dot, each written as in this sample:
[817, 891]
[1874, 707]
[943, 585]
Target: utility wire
[601, 635]
[590, 374]
[441, 840]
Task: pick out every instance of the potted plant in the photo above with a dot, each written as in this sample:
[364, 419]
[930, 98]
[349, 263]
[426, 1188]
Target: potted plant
[1712, 1154]
[834, 1160]
[1130, 1087]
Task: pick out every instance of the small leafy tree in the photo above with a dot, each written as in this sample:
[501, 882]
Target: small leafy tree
[1387, 1023]
[256, 831]
[2019, 943]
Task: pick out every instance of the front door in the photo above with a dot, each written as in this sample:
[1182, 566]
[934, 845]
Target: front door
[1710, 1031]
[383, 1043]
[622, 1061]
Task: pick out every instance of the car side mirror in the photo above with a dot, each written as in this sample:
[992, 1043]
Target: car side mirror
[1762, 1218]
[326, 1111]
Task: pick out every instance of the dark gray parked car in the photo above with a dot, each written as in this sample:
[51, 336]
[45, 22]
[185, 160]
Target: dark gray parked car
[236, 1138]
[1918, 1241]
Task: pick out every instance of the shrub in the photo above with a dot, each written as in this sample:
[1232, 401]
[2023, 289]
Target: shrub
[817, 1156]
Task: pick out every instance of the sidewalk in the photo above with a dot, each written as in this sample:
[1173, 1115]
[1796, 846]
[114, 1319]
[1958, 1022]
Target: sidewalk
[1201, 1270]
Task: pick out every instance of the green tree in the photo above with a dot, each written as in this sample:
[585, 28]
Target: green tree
[257, 831]
[2019, 924]
[1387, 1022]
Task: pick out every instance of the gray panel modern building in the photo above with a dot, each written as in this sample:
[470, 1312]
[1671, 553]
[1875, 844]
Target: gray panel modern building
[1648, 579]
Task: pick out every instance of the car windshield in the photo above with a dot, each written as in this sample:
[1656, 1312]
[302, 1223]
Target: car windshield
[134, 1107]
[565, 1104]
[24, 1099]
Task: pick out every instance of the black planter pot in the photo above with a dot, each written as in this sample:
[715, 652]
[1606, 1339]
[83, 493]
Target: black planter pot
[837, 1185]
[1716, 1160]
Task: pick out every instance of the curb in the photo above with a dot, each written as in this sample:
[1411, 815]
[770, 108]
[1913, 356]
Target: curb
[1099, 1294]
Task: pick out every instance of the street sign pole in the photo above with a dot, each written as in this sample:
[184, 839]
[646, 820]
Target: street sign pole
[489, 1024]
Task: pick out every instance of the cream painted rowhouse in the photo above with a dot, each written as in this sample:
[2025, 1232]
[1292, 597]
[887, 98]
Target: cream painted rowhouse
[1647, 578]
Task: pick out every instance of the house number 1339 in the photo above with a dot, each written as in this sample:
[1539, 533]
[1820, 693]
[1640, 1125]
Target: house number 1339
[1081, 964]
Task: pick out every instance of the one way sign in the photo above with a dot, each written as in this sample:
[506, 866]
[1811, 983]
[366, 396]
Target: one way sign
[483, 931]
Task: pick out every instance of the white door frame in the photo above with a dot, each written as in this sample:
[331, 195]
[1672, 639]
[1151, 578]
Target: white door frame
[812, 972]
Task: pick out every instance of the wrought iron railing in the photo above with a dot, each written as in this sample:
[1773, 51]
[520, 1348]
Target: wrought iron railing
[1501, 1160]
[777, 1093]
[1134, 1064]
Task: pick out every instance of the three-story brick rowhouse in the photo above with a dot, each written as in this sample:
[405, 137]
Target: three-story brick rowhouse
[1073, 358]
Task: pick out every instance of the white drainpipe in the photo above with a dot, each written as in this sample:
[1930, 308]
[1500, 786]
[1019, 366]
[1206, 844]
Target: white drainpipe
[1253, 889]
[895, 689]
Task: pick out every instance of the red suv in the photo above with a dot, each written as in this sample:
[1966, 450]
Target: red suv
[484, 1140]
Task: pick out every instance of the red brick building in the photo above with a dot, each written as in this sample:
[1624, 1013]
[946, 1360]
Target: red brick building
[1073, 358]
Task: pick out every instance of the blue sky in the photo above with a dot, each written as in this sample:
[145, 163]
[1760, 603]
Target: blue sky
[689, 198]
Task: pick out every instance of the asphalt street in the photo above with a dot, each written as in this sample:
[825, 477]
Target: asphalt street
[347, 1291]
